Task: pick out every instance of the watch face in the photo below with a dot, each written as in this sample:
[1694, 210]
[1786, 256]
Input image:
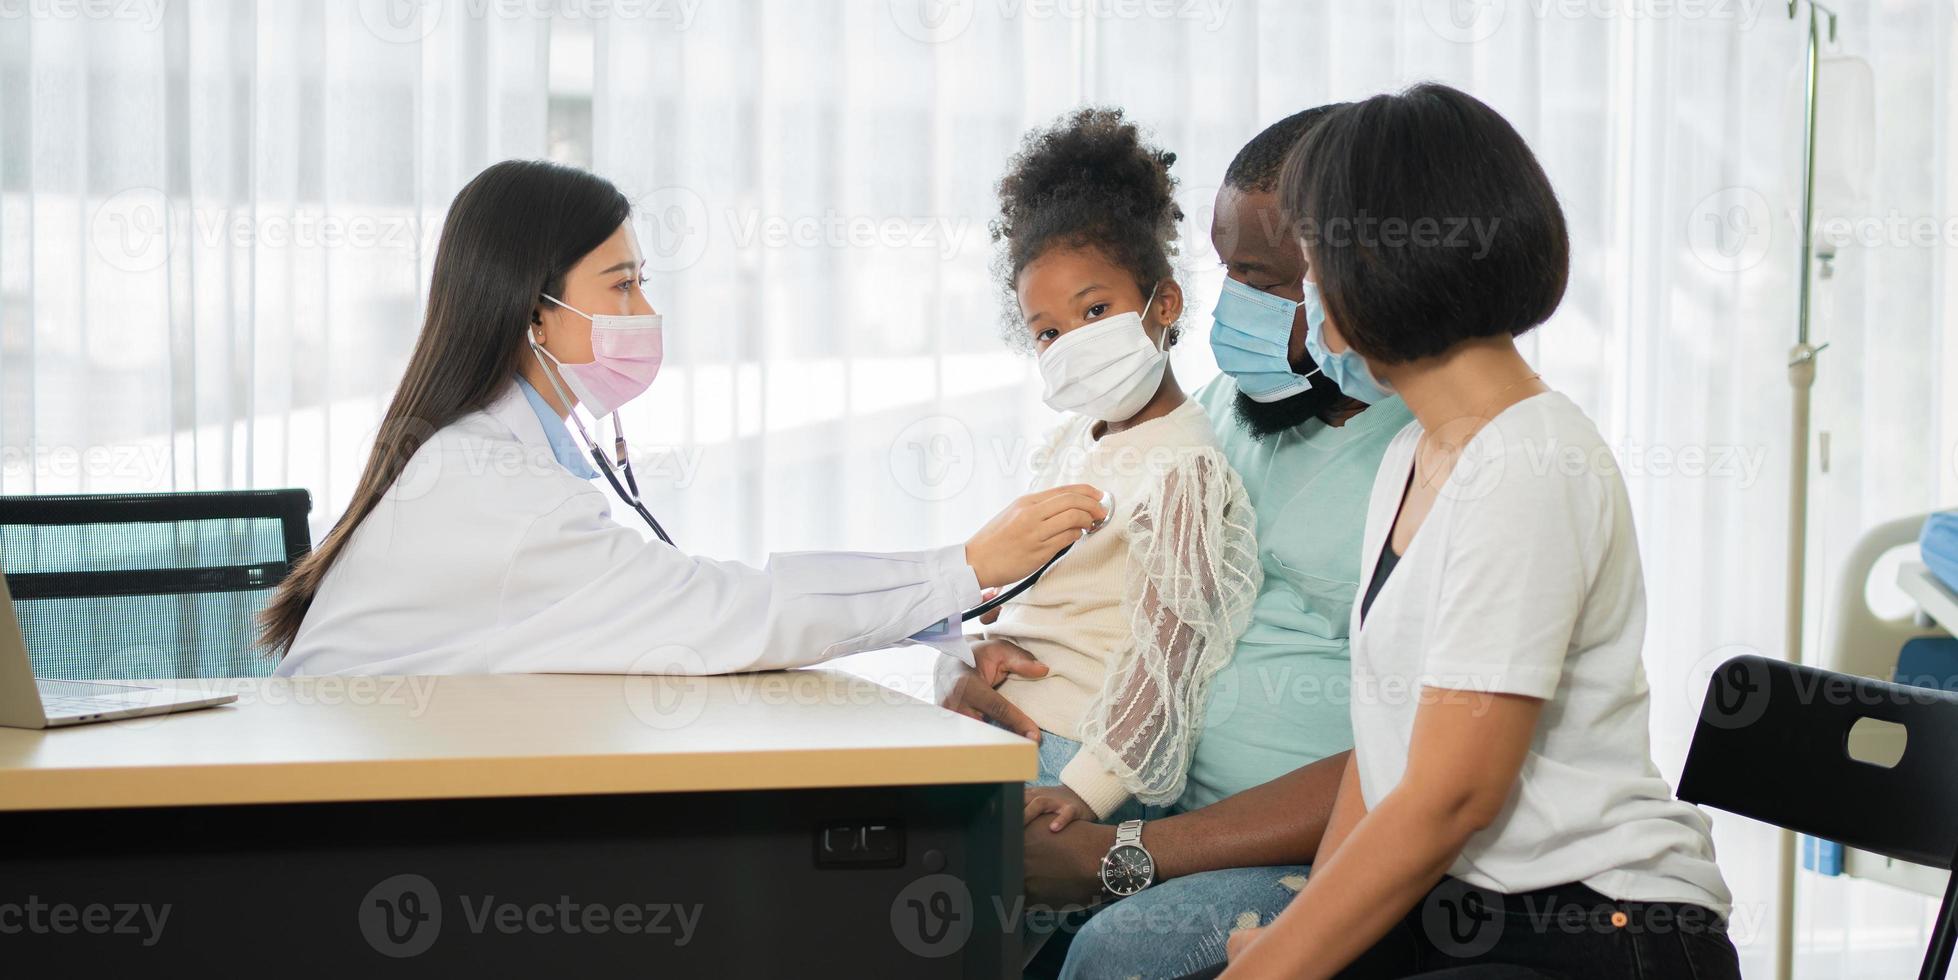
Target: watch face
[1127, 869]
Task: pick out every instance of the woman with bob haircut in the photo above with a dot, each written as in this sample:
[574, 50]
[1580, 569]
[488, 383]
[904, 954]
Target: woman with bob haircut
[1500, 815]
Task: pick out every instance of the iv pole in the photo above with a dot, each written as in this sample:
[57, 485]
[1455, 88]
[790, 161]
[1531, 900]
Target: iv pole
[1801, 379]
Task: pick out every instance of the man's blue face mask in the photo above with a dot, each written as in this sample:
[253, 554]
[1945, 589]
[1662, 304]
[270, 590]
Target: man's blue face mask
[1251, 335]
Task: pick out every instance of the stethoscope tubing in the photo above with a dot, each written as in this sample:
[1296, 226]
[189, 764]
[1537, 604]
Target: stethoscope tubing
[631, 498]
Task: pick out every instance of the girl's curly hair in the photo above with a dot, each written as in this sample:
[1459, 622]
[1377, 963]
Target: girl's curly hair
[1090, 181]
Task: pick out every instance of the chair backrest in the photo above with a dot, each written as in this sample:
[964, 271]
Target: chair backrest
[148, 585]
[1773, 744]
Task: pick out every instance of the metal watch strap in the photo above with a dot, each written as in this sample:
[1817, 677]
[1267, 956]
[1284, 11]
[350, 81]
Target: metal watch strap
[1128, 832]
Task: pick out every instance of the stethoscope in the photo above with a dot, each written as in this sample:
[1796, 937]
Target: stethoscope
[1107, 506]
[631, 497]
[628, 491]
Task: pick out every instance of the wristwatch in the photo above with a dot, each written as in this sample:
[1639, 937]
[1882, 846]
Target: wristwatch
[1128, 867]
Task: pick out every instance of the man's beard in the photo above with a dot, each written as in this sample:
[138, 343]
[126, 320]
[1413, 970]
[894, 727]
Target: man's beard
[1266, 419]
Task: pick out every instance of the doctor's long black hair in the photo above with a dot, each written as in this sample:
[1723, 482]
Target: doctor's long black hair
[511, 234]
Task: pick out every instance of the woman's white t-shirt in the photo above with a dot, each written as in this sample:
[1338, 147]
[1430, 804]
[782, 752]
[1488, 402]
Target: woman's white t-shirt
[1524, 579]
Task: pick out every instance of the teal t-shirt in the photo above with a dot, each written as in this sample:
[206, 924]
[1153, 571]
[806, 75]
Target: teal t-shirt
[1281, 702]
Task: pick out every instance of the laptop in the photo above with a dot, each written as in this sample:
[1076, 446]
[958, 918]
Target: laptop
[28, 702]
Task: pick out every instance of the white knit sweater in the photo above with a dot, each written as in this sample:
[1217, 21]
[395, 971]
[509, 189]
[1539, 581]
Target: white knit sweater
[1135, 620]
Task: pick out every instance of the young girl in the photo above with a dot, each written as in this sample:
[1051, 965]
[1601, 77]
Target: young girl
[1136, 618]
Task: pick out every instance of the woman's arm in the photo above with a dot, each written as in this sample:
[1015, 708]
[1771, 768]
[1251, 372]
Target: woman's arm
[583, 594]
[1465, 755]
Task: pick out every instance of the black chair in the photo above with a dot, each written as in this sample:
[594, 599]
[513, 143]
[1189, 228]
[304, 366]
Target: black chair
[1773, 744]
[148, 585]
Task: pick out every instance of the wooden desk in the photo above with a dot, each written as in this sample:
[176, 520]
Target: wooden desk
[771, 823]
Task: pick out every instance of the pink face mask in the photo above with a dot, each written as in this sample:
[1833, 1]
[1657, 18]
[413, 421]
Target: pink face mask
[625, 357]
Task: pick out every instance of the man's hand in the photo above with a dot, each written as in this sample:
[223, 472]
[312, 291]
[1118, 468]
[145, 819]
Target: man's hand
[1064, 868]
[967, 692]
[1065, 804]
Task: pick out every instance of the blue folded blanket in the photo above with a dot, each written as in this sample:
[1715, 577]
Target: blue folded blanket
[1939, 543]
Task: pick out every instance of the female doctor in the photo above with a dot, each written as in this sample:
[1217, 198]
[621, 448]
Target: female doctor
[475, 543]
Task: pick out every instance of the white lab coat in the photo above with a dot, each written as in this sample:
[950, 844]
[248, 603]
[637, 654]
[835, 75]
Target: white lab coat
[488, 556]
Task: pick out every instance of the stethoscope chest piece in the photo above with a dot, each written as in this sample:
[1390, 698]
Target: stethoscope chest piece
[1108, 514]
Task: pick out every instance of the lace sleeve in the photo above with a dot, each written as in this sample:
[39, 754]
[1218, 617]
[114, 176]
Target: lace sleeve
[1192, 576]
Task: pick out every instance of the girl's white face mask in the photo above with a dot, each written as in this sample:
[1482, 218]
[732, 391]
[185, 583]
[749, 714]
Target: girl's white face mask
[1106, 370]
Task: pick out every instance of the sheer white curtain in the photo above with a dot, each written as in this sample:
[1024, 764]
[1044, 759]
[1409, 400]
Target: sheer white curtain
[216, 222]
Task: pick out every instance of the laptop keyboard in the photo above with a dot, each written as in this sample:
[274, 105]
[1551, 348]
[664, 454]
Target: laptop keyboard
[82, 697]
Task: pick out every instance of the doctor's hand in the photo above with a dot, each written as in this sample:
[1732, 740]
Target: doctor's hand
[970, 693]
[1014, 544]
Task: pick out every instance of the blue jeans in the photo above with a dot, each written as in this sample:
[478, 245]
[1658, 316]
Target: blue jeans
[1181, 925]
